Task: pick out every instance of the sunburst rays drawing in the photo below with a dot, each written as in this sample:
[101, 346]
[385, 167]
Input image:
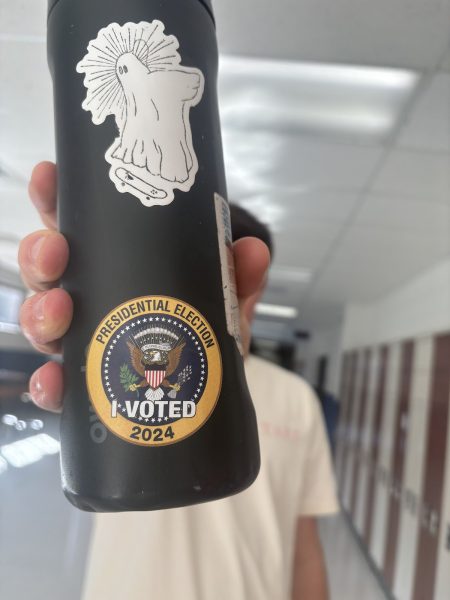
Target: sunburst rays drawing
[134, 72]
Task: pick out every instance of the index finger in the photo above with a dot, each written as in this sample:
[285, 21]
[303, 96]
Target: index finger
[252, 260]
[42, 192]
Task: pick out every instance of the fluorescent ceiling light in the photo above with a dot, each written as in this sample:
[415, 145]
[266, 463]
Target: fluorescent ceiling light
[325, 73]
[29, 450]
[274, 330]
[9, 328]
[317, 98]
[291, 274]
[275, 310]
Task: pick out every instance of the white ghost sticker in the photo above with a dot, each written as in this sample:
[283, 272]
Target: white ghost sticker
[134, 73]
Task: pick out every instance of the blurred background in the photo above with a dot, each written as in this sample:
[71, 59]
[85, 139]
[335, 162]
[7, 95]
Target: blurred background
[336, 127]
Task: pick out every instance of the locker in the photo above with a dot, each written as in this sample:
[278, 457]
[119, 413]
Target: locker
[413, 469]
[398, 461]
[352, 430]
[360, 420]
[342, 416]
[375, 444]
[346, 419]
[366, 441]
[383, 465]
[443, 562]
[433, 481]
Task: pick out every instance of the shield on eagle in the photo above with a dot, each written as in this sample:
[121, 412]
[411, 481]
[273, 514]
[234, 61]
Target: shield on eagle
[155, 377]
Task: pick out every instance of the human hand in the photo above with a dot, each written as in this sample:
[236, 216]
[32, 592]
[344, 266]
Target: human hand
[46, 316]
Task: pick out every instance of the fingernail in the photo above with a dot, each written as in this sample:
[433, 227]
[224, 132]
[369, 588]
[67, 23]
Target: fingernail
[36, 390]
[36, 248]
[38, 308]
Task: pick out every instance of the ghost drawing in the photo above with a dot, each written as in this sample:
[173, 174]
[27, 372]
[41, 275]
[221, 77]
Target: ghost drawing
[134, 73]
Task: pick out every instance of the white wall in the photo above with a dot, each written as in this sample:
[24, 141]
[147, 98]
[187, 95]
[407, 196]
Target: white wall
[420, 307]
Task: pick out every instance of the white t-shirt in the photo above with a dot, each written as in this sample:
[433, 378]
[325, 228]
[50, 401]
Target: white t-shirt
[238, 548]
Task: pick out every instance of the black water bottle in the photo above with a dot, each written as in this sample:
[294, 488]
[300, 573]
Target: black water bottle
[157, 413]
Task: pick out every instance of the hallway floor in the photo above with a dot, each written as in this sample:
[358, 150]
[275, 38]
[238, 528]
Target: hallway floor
[349, 575]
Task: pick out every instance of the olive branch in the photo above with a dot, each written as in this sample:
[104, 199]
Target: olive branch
[127, 378]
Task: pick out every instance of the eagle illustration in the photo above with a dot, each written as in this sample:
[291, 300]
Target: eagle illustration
[155, 355]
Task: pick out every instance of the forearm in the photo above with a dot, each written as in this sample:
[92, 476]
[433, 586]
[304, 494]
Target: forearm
[309, 581]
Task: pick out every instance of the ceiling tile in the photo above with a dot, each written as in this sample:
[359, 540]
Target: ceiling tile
[23, 18]
[262, 161]
[312, 163]
[319, 314]
[372, 261]
[283, 211]
[386, 32]
[428, 127]
[399, 214]
[304, 245]
[317, 205]
[425, 176]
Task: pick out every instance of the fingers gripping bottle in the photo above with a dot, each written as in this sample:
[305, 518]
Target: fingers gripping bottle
[157, 413]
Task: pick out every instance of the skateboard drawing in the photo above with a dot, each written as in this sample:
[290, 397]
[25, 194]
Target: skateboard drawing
[134, 73]
[134, 185]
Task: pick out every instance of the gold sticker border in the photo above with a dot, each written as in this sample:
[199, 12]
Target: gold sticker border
[183, 428]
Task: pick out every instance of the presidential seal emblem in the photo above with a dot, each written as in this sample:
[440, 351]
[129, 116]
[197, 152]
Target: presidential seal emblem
[154, 371]
[134, 73]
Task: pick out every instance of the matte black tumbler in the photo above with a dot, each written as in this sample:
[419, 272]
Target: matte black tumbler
[157, 413]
